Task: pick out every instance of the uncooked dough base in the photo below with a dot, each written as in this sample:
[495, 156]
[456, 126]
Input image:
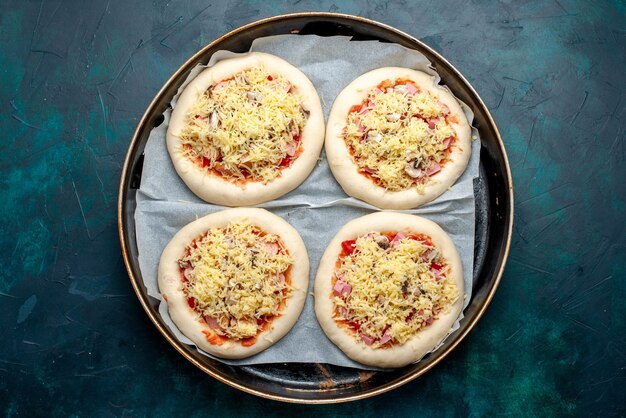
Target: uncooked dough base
[187, 319]
[345, 169]
[427, 338]
[215, 189]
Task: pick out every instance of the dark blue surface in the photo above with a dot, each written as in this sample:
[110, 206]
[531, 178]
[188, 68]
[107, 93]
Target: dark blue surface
[75, 77]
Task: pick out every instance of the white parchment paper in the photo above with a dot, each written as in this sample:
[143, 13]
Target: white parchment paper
[318, 208]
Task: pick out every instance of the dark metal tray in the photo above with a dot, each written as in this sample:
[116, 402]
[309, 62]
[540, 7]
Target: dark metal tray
[322, 383]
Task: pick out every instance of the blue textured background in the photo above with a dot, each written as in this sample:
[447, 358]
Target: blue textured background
[76, 76]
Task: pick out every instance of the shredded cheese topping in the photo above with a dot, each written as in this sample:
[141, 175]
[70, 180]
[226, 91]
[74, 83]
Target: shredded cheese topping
[400, 136]
[386, 287]
[234, 277]
[245, 127]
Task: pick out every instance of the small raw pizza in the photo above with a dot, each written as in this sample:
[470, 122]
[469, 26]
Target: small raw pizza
[395, 139]
[388, 289]
[235, 281]
[246, 130]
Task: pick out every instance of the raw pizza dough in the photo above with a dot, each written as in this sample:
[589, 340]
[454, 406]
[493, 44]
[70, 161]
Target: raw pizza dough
[344, 167]
[188, 320]
[215, 189]
[427, 338]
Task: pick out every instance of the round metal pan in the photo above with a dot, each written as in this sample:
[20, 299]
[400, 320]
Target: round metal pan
[322, 383]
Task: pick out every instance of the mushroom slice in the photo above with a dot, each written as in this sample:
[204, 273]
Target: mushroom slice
[401, 88]
[412, 169]
[374, 136]
[393, 117]
[382, 241]
[214, 120]
[254, 97]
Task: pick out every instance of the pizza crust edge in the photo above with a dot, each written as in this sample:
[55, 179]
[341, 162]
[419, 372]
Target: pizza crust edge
[426, 339]
[213, 188]
[345, 170]
[186, 319]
